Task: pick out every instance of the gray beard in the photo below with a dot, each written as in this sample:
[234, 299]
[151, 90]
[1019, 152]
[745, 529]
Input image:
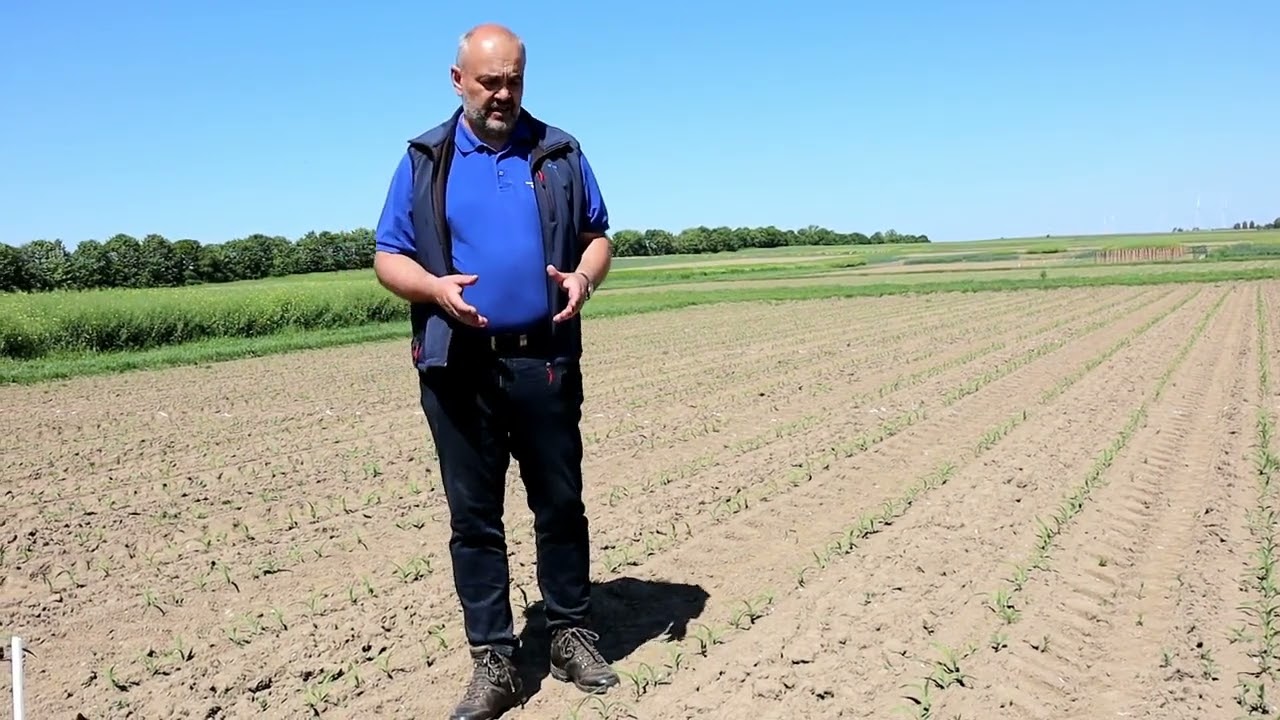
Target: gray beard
[492, 132]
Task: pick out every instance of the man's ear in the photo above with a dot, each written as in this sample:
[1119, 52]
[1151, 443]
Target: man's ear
[455, 75]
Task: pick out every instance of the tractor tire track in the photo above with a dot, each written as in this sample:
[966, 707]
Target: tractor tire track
[838, 626]
[1093, 630]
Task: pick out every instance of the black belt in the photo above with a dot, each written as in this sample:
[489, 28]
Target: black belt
[512, 343]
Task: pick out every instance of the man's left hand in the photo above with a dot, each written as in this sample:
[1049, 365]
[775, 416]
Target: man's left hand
[575, 284]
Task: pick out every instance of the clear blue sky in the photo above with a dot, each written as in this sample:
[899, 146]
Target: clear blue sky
[962, 120]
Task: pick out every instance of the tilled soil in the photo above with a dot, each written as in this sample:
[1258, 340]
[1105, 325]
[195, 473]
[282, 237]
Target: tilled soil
[1005, 505]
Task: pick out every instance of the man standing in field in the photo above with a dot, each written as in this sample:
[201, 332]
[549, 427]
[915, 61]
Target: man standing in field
[494, 231]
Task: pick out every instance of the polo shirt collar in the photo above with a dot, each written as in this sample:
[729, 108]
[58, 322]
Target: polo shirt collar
[468, 143]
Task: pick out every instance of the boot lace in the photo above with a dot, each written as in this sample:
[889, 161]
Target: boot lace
[489, 672]
[581, 639]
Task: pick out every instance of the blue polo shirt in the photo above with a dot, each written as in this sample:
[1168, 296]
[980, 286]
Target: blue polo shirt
[492, 213]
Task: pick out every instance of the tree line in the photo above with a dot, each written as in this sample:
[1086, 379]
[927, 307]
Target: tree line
[1251, 225]
[1244, 225]
[124, 261]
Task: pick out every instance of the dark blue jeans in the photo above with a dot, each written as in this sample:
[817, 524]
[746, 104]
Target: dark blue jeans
[482, 411]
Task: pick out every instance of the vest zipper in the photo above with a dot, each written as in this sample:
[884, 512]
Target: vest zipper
[549, 206]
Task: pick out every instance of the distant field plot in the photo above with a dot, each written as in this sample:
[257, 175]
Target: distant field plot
[1016, 504]
[65, 334]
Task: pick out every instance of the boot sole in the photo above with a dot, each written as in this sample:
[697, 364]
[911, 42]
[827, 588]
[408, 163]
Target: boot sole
[562, 676]
[503, 709]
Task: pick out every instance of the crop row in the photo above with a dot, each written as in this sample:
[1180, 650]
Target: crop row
[785, 368]
[645, 676]
[759, 487]
[248, 623]
[1264, 609]
[184, 500]
[289, 554]
[228, 573]
[275, 460]
[1002, 602]
[245, 625]
[686, 355]
[286, 459]
[686, 364]
[686, 469]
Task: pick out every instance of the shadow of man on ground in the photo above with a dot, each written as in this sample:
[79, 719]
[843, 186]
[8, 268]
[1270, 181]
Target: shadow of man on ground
[626, 612]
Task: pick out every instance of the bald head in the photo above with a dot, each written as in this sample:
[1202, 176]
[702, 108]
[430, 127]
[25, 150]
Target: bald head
[488, 76]
[488, 38]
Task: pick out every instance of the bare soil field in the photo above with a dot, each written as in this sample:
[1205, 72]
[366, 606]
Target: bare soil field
[1042, 504]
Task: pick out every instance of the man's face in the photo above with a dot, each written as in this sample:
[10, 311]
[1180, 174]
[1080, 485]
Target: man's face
[490, 81]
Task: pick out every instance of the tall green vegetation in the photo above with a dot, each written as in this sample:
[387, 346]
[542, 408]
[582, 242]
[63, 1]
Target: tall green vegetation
[126, 262]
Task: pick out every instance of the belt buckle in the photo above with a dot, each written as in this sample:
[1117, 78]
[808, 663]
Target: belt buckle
[522, 340]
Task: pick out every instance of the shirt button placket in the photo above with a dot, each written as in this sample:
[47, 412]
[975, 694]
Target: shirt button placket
[502, 174]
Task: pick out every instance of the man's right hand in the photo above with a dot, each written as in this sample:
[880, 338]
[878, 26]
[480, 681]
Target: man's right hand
[447, 294]
[403, 276]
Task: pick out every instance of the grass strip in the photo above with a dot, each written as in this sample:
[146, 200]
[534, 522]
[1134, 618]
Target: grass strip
[644, 276]
[60, 367]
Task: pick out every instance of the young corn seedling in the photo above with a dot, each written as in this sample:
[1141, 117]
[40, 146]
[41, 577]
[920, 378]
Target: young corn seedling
[149, 601]
[707, 637]
[414, 569]
[266, 567]
[1251, 696]
[226, 576]
[946, 670]
[752, 610]
[999, 641]
[181, 651]
[1208, 668]
[316, 696]
[116, 681]
[645, 678]
[383, 663]
[602, 709]
[800, 574]
[922, 701]
[1001, 604]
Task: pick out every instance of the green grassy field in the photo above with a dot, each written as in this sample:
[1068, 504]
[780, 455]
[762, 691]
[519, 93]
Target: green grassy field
[65, 334]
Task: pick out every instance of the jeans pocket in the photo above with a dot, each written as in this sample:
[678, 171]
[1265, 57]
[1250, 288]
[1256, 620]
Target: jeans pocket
[564, 379]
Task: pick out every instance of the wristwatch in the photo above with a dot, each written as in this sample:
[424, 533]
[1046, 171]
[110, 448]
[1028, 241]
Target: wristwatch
[591, 288]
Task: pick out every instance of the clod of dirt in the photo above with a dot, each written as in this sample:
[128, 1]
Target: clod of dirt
[768, 689]
[799, 655]
[821, 692]
[700, 703]
[260, 684]
[897, 647]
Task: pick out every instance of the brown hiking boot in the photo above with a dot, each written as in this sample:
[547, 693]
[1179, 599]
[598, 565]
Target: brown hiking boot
[574, 658]
[495, 687]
